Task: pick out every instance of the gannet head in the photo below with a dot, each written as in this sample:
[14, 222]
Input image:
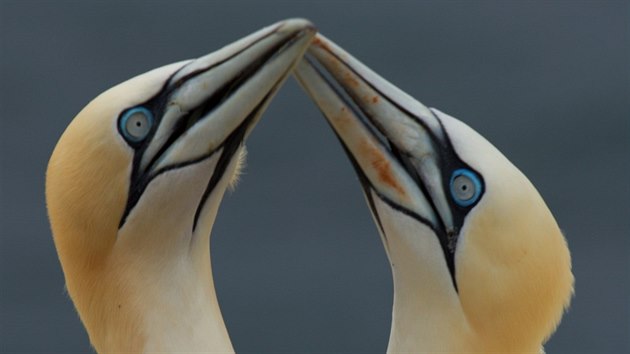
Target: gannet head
[472, 244]
[134, 183]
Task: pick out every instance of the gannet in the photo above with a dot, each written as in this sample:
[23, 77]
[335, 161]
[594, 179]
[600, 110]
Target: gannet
[134, 184]
[479, 264]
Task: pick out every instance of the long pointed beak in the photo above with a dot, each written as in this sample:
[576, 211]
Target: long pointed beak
[382, 127]
[212, 97]
[398, 146]
[210, 104]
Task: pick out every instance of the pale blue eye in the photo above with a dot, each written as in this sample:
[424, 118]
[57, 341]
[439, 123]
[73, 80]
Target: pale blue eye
[136, 124]
[465, 187]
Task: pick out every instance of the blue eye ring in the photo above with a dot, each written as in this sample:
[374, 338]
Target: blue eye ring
[462, 180]
[135, 124]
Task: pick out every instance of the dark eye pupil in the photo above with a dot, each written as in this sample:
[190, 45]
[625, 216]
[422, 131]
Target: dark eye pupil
[138, 124]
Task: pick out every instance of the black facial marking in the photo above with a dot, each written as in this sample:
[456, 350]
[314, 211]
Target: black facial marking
[448, 161]
[229, 146]
[140, 178]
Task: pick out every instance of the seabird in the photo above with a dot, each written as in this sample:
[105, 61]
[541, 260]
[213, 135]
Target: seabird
[134, 184]
[479, 263]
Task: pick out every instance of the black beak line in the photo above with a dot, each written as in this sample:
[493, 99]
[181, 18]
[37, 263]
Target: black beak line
[440, 230]
[140, 179]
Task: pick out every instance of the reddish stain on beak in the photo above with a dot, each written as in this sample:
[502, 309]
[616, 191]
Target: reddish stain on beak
[382, 166]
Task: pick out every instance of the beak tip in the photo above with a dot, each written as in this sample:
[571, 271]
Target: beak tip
[297, 25]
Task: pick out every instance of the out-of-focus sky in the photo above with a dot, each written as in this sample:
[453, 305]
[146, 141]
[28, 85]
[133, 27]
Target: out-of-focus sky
[298, 264]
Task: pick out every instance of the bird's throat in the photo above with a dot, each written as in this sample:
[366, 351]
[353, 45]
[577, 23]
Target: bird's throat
[423, 320]
[185, 314]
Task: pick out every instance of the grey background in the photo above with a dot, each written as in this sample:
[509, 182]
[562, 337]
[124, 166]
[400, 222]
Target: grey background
[298, 264]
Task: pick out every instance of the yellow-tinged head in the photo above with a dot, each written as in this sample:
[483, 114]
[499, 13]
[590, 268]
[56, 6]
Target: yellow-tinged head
[478, 261]
[134, 184]
[513, 266]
